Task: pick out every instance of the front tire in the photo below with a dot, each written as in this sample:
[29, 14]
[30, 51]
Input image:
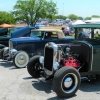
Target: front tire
[66, 81]
[21, 59]
[34, 67]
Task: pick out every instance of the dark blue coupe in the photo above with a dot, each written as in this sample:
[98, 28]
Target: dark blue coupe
[21, 49]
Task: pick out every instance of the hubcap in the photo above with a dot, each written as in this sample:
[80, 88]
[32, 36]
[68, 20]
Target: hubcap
[69, 83]
[21, 59]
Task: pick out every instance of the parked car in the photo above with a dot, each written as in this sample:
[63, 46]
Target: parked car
[21, 49]
[66, 64]
[37, 26]
[51, 24]
[68, 31]
[22, 32]
[3, 31]
[59, 23]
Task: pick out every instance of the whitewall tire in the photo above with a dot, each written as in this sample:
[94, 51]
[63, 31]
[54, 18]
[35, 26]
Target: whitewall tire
[21, 59]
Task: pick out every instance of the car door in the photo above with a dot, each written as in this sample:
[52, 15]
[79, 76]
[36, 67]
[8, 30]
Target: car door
[46, 38]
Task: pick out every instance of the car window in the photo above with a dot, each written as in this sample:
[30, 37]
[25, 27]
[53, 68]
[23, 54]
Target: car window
[97, 33]
[36, 33]
[83, 33]
[51, 35]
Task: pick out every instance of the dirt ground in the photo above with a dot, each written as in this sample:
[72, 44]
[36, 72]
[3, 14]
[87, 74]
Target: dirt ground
[56, 27]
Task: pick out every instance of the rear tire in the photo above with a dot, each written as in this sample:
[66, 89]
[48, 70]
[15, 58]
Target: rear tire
[66, 81]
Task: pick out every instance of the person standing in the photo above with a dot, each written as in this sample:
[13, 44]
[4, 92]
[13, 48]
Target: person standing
[80, 34]
[63, 29]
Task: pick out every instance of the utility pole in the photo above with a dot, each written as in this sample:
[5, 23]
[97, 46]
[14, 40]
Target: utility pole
[63, 9]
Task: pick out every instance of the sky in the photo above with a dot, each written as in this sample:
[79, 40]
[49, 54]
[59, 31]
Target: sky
[83, 8]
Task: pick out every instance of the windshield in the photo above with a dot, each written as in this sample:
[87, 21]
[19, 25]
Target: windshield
[36, 33]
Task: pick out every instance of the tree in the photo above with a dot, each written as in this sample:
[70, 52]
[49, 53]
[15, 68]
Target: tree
[61, 17]
[6, 17]
[31, 10]
[73, 17]
[81, 18]
[88, 18]
[95, 16]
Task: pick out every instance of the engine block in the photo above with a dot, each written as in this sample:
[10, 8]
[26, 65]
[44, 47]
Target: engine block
[71, 62]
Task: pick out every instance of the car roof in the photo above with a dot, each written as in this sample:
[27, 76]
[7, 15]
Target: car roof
[59, 32]
[44, 29]
[88, 25]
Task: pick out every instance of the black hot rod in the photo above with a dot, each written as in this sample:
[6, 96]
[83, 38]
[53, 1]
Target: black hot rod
[67, 63]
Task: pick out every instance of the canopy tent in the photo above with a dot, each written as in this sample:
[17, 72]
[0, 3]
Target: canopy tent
[78, 22]
[6, 25]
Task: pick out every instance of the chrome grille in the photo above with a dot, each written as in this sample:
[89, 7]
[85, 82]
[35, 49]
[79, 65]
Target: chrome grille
[10, 45]
[48, 59]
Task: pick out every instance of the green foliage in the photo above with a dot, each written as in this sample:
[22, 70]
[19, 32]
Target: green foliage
[31, 10]
[50, 10]
[95, 16]
[88, 18]
[73, 17]
[61, 17]
[81, 18]
[6, 17]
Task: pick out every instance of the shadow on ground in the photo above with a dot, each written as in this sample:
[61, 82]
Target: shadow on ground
[42, 85]
[5, 64]
[90, 86]
[86, 86]
[46, 86]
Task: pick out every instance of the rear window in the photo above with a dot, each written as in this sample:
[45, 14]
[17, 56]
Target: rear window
[51, 35]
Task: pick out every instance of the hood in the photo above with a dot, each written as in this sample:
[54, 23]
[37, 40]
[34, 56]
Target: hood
[25, 39]
[21, 32]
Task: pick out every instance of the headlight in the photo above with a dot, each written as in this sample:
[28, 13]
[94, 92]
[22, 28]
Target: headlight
[13, 51]
[55, 65]
[6, 49]
[41, 60]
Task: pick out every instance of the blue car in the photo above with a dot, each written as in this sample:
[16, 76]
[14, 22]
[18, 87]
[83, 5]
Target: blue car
[23, 48]
[6, 34]
[37, 26]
